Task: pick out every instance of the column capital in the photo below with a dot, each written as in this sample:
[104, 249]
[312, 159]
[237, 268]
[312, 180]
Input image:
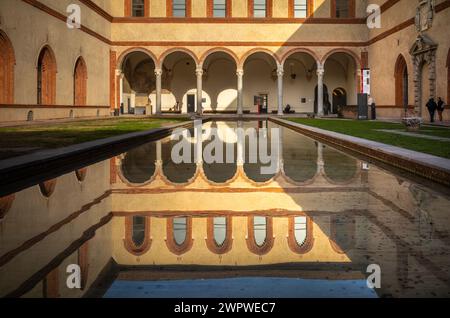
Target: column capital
[118, 72]
[158, 71]
[320, 71]
[280, 70]
[240, 72]
[199, 71]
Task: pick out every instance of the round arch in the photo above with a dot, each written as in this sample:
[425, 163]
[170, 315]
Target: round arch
[401, 81]
[355, 57]
[291, 52]
[125, 53]
[8, 61]
[166, 53]
[245, 57]
[210, 52]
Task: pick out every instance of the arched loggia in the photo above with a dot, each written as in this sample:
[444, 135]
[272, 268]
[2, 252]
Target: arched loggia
[300, 80]
[340, 71]
[136, 81]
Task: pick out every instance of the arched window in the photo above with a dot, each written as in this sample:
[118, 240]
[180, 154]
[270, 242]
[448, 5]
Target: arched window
[179, 235]
[401, 82]
[137, 240]
[80, 83]
[7, 61]
[219, 240]
[51, 284]
[46, 77]
[83, 262]
[343, 8]
[260, 234]
[300, 239]
[260, 8]
[301, 8]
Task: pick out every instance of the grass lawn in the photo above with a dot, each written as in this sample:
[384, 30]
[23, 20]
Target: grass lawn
[369, 130]
[19, 140]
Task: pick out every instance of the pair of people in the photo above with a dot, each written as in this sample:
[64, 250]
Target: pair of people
[433, 107]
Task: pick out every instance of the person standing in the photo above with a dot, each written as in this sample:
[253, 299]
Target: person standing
[440, 108]
[371, 103]
[432, 106]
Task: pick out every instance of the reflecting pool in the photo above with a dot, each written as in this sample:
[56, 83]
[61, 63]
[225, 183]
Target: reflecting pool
[141, 225]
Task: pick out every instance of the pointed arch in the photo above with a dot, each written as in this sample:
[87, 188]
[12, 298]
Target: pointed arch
[80, 82]
[7, 62]
[401, 81]
[46, 77]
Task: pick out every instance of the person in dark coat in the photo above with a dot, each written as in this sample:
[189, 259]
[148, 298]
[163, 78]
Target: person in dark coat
[432, 106]
[440, 108]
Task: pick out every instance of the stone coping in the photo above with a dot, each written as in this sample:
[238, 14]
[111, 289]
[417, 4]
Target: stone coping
[20, 172]
[428, 166]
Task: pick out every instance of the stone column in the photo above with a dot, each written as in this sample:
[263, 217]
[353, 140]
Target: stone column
[320, 73]
[199, 73]
[280, 74]
[158, 74]
[240, 144]
[198, 133]
[159, 161]
[121, 91]
[240, 97]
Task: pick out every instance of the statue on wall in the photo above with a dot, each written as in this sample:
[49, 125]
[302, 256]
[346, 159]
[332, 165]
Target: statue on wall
[424, 15]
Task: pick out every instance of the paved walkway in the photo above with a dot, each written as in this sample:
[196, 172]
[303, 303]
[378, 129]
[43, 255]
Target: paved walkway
[411, 134]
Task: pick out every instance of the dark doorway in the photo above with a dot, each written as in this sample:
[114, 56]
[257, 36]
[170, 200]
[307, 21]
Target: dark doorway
[339, 100]
[326, 99]
[264, 103]
[191, 103]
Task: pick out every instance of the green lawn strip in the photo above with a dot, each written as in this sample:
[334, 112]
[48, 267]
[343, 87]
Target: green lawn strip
[369, 130]
[60, 135]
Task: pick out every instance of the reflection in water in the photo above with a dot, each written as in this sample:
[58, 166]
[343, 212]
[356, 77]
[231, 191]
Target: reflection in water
[300, 229]
[138, 230]
[260, 230]
[220, 230]
[138, 165]
[180, 230]
[309, 231]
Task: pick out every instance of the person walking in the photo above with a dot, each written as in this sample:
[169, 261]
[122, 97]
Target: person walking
[440, 108]
[432, 106]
